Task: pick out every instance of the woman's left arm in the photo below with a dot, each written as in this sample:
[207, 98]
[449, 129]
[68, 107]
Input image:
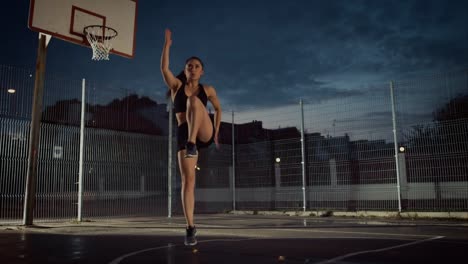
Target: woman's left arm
[211, 93]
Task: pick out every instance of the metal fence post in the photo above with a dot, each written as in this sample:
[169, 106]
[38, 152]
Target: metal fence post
[304, 206]
[169, 161]
[233, 165]
[80, 169]
[397, 167]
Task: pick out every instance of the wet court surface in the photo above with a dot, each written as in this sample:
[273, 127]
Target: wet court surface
[238, 239]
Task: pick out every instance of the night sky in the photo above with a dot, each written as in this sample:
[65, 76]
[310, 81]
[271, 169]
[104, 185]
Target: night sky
[260, 53]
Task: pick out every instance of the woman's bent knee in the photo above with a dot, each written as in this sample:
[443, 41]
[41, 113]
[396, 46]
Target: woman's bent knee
[193, 101]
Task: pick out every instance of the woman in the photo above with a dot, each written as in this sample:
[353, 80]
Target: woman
[195, 129]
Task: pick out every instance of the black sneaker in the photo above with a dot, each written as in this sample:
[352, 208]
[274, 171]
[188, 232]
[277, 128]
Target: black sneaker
[190, 239]
[191, 150]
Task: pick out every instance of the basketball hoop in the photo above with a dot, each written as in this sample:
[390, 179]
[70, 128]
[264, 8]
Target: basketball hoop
[100, 38]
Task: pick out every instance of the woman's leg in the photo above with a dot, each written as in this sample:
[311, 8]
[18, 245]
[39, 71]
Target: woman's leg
[199, 123]
[187, 171]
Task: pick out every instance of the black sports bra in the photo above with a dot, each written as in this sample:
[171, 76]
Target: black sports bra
[180, 99]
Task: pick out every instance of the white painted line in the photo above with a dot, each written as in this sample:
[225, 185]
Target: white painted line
[377, 250]
[259, 233]
[351, 232]
[119, 259]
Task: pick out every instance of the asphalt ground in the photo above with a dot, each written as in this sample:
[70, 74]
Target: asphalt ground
[230, 238]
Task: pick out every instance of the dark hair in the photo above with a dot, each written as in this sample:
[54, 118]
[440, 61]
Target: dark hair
[181, 76]
[195, 58]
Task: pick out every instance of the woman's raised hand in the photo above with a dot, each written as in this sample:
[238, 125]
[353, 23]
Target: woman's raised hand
[168, 35]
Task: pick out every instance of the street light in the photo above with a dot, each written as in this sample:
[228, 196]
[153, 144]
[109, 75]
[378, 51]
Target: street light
[11, 91]
[277, 172]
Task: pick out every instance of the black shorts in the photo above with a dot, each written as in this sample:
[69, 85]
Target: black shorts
[182, 136]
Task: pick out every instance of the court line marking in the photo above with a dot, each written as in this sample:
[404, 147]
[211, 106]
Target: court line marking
[377, 250]
[301, 230]
[313, 230]
[119, 259]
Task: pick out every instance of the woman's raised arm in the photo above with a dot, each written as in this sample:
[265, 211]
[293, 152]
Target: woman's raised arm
[171, 81]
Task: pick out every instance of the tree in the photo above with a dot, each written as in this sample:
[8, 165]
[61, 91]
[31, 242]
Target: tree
[438, 151]
[455, 109]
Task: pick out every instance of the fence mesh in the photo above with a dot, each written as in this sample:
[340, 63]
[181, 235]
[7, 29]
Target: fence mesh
[344, 159]
[434, 132]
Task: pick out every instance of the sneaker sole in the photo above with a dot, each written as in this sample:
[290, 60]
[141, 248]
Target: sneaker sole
[191, 244]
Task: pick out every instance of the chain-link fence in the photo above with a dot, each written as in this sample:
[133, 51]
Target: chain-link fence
[396, 146]
[401, 145]
[124, 171]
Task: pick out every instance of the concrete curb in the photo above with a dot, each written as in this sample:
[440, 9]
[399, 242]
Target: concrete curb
[362, 214]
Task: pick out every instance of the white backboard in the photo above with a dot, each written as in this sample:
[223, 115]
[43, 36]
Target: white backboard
[65, 19]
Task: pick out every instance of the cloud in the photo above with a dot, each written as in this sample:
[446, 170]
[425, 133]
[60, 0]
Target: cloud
[271, 53]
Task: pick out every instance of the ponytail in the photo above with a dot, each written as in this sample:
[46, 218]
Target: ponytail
[182, 77]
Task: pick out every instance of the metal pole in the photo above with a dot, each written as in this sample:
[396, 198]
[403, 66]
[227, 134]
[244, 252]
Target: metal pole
[30, 190]
[397, 167]
[80, 170]
[233, 165]
[303, 158]
[169, 162]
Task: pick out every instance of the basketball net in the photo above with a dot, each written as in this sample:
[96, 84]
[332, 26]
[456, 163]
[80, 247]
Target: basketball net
[100, 38]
